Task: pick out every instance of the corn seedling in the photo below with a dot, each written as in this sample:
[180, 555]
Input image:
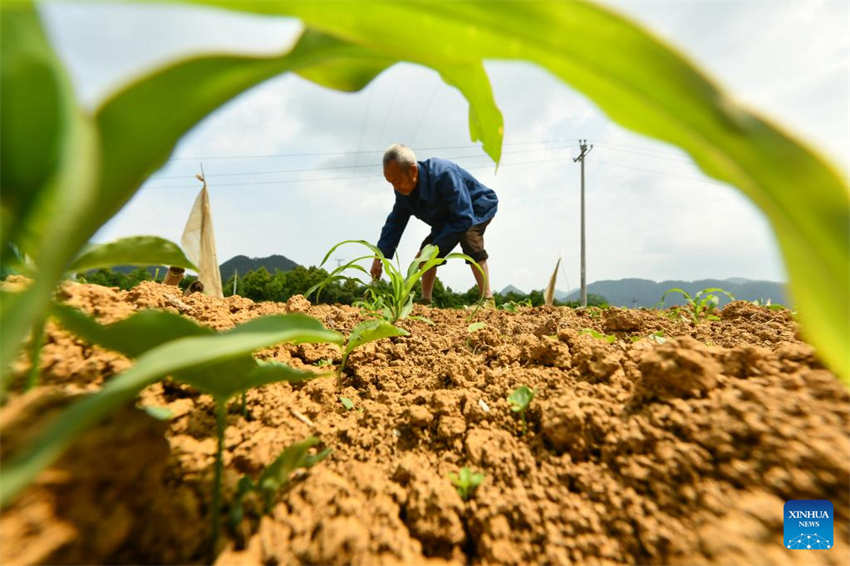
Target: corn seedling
[512, 306]
[768, 304]
[610, 338]
[519, 400]
[220, 364]
[275, 478]
[702, 305]
[657, 337]
[466, 481]
[365, 332]
[396, 302]
[592, 311]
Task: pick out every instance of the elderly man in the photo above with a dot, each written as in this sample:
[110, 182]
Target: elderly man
[447, 198]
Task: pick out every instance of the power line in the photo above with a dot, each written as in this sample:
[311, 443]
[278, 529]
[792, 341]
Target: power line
[332, 167]
[693, 178]
[646, 152]
[378, 151]
[248, 184]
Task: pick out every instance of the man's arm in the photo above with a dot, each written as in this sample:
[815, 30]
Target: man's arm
[393, 229]
[461, 216]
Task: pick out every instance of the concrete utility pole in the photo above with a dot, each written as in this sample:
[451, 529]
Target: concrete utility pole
[582, 144]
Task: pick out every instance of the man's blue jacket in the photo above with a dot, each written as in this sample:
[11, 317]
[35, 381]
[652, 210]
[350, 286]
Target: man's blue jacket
[447, 198]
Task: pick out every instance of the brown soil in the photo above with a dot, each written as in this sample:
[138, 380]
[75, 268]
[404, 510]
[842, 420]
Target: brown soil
[636, 452]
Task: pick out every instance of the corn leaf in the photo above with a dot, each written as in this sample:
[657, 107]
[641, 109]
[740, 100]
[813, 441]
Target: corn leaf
[371, 330]
[135, 250]
[48, 151]
[132, 336]
[293, 457]
[206, 362]
[646, 86]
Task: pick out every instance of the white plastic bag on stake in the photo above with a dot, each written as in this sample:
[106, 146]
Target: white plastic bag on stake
[199, 243]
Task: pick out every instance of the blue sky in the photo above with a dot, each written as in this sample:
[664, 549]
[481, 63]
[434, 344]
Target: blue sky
[294, 168]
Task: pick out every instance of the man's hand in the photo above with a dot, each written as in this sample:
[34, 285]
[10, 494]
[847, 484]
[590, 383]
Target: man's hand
[377, 268]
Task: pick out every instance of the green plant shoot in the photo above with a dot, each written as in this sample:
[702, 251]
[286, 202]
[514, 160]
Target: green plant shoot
[368, 331]
[519, 401]
[466, 481]
[275, 478]
[610, 338]
[395, 302]
[701, 305]
[475, 327]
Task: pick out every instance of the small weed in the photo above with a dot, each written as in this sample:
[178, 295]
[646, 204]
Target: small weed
[519, 401]
[512, 306]
[466, 481]
[275, 477]
[324, 362]
[594, 312]
[347, 403]
[657, 337]
[702, 305]
[610, 338]
[475, 327]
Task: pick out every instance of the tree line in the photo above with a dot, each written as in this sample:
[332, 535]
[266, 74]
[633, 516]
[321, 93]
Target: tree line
[260, 285]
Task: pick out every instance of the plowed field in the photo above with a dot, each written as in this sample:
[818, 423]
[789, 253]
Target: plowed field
[637, 451]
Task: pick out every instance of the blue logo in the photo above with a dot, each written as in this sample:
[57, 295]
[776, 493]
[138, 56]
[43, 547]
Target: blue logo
[808, 524]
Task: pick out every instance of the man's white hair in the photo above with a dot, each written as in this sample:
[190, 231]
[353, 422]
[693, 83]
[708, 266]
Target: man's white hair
[401, 154]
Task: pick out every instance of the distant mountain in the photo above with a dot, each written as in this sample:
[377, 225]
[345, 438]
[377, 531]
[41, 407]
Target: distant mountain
[152, 269]
[645, 293]
[511, 289]
[244, 264]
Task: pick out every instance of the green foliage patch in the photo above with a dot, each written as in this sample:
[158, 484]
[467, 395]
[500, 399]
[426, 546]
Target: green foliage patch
[702, 305]
[392, 303]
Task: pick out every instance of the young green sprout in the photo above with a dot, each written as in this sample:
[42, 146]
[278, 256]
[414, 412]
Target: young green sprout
[610, 338]
[275, 477]
[365, 332]
[470, 330]
[393, 302]
[512, 306]
[702, 304]
[347, 403]
[519, 400]
[466, 481]
[475, 327]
